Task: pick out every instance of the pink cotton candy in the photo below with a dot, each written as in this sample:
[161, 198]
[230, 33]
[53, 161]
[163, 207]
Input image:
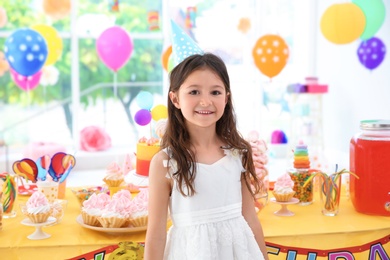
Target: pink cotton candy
[94, 138]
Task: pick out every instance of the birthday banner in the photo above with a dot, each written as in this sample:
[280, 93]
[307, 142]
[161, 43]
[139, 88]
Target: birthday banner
[373, 250]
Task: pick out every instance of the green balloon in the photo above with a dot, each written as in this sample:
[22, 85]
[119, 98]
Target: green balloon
[375, 12]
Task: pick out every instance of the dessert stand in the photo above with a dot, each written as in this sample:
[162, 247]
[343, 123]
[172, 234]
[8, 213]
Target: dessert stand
[38, 234]
[284, 211]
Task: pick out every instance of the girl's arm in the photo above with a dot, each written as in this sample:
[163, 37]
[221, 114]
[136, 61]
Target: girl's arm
[250, 215]
[159, 192]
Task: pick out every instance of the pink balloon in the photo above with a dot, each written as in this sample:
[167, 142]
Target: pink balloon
[26, 83]
[114, 47]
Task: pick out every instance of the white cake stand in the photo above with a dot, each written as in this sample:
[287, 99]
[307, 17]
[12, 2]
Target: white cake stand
[137, 179]
[284, 211]
[38, 234]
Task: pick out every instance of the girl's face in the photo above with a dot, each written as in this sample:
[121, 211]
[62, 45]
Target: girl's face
[202, 98]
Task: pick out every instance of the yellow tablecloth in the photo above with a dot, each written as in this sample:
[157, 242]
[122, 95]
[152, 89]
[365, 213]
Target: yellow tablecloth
[306, 235]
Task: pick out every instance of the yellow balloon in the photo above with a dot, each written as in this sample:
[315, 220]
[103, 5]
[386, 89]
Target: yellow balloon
[343, 23]
[159, 112]
[53, 41]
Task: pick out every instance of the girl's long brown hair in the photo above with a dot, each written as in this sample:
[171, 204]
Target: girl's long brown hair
[177, 138]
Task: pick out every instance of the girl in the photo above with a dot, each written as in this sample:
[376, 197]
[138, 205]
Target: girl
[204, 173]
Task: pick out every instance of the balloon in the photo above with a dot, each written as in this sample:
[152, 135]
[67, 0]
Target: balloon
[26, 51]
[142, 117]
[53, 41]
[171, 62]
[26, 168]
[342, 23]
[159, 112]
[374, 11]
[56, 9]
[114, 47]
[270, 54]
[61, 165]
[144, 100]
[26, 83]
[165, 57]
[371, 53]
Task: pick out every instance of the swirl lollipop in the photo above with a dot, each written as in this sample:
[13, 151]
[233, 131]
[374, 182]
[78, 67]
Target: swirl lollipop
[9, 195]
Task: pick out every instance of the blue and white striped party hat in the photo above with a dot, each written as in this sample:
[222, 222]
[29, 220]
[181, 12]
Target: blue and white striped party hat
[183, 45]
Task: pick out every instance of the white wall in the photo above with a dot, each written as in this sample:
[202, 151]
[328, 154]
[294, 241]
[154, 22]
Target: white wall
[355, 93]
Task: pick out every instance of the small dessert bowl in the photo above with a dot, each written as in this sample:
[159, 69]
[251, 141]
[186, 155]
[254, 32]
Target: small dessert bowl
[82, 194]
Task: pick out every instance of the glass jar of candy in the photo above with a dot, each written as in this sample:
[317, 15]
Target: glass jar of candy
[302, 192]
[370, 161]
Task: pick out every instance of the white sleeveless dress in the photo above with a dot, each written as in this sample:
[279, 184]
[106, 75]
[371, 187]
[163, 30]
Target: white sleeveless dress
[209, 225]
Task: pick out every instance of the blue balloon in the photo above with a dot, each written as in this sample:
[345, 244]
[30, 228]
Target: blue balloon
[26, 51]
[145, 100]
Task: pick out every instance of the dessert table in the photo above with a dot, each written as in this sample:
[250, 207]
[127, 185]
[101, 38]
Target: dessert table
[305, 235]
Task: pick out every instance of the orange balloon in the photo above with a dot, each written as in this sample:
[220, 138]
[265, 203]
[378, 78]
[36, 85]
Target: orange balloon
[270, 54]
[165, 57]
[343, 23]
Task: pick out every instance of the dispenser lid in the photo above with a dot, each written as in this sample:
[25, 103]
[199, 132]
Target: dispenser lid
[378, 124]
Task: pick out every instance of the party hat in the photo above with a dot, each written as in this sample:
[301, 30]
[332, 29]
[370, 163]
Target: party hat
[183, 45]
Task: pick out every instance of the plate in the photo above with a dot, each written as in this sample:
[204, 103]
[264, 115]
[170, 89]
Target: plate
[79, 220]
[292, 201]
[27, 222]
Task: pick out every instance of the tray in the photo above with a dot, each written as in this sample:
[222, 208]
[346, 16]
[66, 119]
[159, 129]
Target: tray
[79, 220]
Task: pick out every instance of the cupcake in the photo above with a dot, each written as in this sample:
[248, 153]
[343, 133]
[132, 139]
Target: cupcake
[139, 211]
[283, 188]
[93, 208]
[37, 208]
[114, 176]
[116, 213]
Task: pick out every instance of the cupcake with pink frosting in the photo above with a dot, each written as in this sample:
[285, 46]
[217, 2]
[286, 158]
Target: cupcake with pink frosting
[283, 188]
[116, 213]
[37, 208]
[139, 211]
[94, 207]
[114, 176]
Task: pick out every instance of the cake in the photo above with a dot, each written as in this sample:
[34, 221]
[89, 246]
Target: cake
[139, 209]
[146, 149]
[37, 208]
[94, 207]
[301, 157]
[283, 188]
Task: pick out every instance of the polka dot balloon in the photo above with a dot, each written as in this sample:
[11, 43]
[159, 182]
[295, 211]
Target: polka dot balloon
[26, 51]
[371, 53]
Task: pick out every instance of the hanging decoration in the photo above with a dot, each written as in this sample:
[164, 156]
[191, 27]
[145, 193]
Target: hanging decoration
[26, 83]
[270, 54]
[191, 17]
[53, 41]
[374, 11]
[154, 20]
[371, 53]
[244, 25]
[3, 17]
[343, 23]
[113, 5]
[26, 51]
[56, 9]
